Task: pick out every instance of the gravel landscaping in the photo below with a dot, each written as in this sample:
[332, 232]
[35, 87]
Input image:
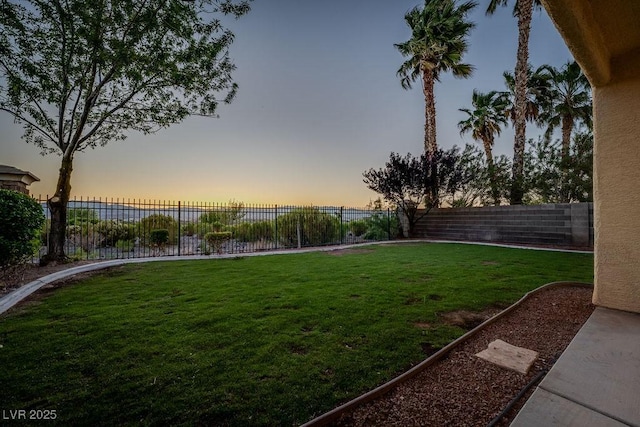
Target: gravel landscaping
[463, 390]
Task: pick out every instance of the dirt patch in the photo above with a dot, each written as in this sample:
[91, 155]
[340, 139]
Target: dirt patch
[34, 272]
[298, 349]
[341, 252]
[413, 299]
[428, 349]
[422, 325]
[490, 263]
[468, 319]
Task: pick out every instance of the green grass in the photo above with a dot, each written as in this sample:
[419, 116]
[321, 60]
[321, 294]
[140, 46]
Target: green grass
[270, 340]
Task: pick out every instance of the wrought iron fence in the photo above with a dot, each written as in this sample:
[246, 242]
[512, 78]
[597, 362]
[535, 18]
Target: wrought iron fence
[117, 228]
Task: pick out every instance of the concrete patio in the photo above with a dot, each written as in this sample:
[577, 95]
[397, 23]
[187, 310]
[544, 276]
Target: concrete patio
[596, 381]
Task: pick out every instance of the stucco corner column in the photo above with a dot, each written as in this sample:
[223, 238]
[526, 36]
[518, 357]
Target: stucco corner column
[617, 192]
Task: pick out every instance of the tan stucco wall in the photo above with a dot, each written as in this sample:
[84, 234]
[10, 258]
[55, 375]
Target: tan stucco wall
[617, 195]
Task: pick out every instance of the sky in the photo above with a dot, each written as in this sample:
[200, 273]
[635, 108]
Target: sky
[319, 103]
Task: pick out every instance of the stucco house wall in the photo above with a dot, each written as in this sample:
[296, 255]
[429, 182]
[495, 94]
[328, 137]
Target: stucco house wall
[604, 37]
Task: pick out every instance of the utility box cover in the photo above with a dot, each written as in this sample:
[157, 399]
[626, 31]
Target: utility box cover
[509, 356]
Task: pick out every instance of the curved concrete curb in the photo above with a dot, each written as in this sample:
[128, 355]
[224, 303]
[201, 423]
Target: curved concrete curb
[23, 292]
[513, 246]
[385, 388]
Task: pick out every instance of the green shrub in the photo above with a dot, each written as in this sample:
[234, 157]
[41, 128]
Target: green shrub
[217, 239]
[21, 220]
[225, 215]
[77, 216]
[83, 236]
[111, 231]
[156, 222]
[44, 232]
[315, 228]
[204, 228]
[125, 245]
[204, 248]
[358, 227]
[79, 253]
[243, 232]
[379, 225]
[254, 231]
[263, 230]
[211, 217]
[73, 231]
[189, 229]
[159, 237]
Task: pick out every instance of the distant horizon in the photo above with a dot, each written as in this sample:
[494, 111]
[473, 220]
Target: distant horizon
[157, 204]
[319, 103]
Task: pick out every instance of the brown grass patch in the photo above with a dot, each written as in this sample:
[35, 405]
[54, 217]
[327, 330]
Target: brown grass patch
[468, 319]
[341, 252]
[422, 325]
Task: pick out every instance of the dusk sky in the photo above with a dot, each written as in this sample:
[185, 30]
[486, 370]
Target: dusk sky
[319, 103]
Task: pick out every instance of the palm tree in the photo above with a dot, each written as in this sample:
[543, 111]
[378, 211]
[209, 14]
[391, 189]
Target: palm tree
[485, 122]
[438, 41]
[537, 94]
[523, 10]
[569, 102]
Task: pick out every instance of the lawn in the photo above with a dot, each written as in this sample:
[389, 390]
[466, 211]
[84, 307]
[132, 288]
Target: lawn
[272, 340]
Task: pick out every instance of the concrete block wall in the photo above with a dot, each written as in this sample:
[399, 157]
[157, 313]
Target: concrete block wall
[551, 224]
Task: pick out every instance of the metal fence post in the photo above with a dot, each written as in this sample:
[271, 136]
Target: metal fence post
[47, 226]
[341, 225]
[388, 224]
[276, 227]
[179, 227]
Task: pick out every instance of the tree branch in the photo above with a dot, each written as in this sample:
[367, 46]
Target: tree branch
[30, 123]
